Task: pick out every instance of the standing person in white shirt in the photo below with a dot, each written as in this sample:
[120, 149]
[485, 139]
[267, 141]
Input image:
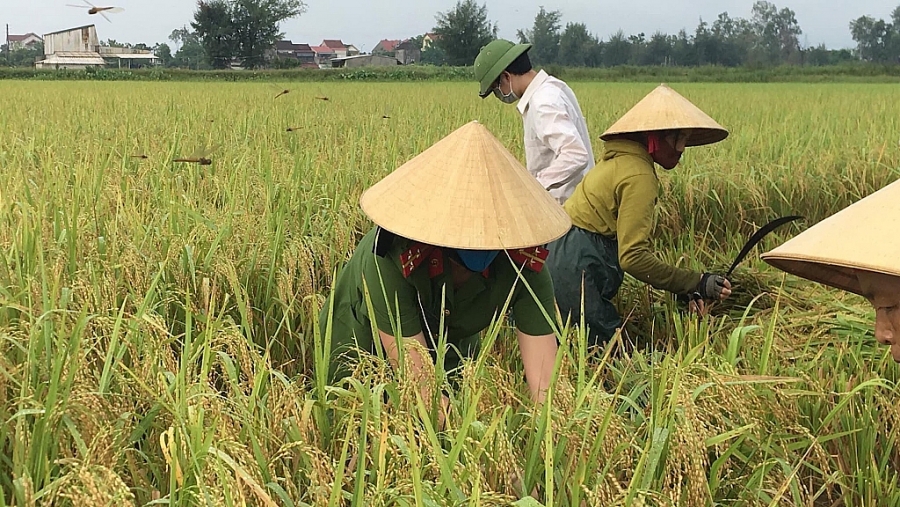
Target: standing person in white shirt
[558, 148]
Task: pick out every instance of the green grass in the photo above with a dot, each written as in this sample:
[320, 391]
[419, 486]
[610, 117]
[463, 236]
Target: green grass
[157, 320]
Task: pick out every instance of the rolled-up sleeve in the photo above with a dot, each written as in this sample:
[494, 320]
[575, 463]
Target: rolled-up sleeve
[531, 311]
[391, 295]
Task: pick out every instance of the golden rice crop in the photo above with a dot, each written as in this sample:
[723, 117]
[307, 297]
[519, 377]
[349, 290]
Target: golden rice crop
[156, 319]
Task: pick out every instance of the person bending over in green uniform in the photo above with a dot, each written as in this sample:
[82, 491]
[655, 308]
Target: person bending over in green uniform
[459, 232]
[613, 211]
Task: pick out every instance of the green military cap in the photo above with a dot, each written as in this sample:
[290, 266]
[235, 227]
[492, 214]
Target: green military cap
[493, 60]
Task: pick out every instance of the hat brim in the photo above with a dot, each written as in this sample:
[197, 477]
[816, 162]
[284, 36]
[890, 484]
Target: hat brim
[501, 65]
[833, 273]
[858, 239]
[664, 109]
[699, 136]
[466, 191]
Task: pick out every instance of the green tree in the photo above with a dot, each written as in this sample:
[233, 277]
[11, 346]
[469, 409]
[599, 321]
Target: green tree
[683, 53]
[578, 48]
[789, 32]
[778, 33]
[894, 48]
[873, 38]
[21, 57]
[733, 37]
[190, 53]
[433, 55]
[180, 36]
[638, 48]
[704, 44]
[617, 51]
[571, 44]
[463, 30]
[164, 53]
[256, 27]
[544, 37]
[659, 50]
[820, 55]
[213, 25]
[877, 40]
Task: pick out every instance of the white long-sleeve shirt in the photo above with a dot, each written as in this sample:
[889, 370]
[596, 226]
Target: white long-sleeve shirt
[558, 149]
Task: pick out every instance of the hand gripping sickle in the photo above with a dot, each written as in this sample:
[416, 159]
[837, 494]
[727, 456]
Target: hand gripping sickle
[748, 247]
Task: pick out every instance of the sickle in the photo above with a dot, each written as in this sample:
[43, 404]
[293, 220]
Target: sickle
[752, 242]
[756, 238]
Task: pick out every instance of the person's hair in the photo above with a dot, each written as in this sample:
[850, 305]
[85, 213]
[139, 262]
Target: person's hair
[520, 65]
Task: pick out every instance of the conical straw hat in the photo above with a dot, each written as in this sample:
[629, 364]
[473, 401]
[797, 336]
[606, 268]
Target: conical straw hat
[666, 109]
[861, 237]
[466, 191]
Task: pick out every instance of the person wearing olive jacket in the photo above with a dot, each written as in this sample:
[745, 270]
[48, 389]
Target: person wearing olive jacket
[459, 235]
[614, 209]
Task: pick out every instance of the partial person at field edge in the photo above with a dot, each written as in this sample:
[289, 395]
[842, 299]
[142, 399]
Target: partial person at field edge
[855, 250]
[614, 212]
[558, 148]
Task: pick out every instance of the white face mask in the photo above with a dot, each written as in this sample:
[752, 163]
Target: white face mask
[509, 98]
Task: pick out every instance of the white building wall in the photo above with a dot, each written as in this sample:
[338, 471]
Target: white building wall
[80, 39]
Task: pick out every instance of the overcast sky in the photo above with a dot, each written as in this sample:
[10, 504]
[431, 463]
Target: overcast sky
[365, 22]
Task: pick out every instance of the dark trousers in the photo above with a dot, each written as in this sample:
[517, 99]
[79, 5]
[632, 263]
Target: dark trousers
[584, 259]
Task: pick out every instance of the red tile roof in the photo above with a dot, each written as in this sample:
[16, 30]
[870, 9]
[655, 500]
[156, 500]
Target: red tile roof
[20, 38]
[334, 44]
[387, 45]
[323, 50]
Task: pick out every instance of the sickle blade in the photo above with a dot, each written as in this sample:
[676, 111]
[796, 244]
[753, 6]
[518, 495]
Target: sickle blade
[760, 234]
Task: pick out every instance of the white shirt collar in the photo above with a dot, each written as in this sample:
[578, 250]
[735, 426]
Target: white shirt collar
[529, 92]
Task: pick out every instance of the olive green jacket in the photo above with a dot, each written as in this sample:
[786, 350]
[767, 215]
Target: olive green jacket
[617, 199]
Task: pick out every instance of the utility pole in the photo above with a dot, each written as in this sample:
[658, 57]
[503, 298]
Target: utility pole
[8, 61]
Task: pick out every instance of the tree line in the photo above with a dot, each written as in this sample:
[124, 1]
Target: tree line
[771, 36]
[223, 31]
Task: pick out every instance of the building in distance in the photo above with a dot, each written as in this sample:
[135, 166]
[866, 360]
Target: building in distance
[27, 41]
[364, 61]
[303, 53]
[75, 48]
[79, 48]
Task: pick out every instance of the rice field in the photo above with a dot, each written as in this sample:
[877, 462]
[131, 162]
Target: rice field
[158, 343]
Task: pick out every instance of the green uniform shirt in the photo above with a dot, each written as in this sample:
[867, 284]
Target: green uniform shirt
[617, 198]
[417, 298]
